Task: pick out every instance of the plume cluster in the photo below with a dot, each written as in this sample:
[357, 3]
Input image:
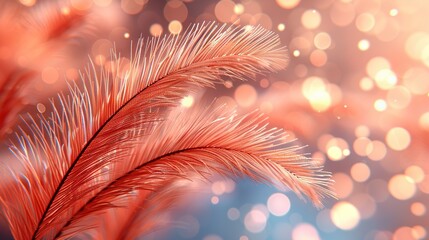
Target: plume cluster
[28, 40]
[115, 148]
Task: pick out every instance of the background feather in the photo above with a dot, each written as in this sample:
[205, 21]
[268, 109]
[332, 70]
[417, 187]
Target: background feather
[201, 143]
[29, 39]
[84, 144]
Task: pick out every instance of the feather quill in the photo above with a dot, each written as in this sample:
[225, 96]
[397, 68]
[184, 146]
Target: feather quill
[85, 144]
[198, 143]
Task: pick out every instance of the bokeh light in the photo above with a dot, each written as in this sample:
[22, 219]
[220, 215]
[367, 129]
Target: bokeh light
[345, 215]
[278, 204]
[402, 187]
[398, 138]
[305, 231]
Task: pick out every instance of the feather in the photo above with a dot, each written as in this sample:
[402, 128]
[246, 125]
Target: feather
[86, 142]
[200, 143]
[28, 39]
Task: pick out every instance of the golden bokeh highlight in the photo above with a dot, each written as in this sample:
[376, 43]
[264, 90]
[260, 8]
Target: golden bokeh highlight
[380, 105]
[187, 101]
[362, 131]
[385, 79]
[416, 173]
[375, 65]
[337, 149]
[402, 187]
[360, 172]
[245, 95]
[305, 231]
[156, 29]
[424, 121]
[27, 3]
[366, 84]
[403, 233]
[376, 150]
[311, 19]
[365, 22]
[345, 215]
[416, 45]
[393, 12]
[419, 232]
[418, 209]
[175, 27]
[315, 90]
[288, 4]
[238, 9]
[361, 145]
[398, 138]
[364, 45]
[322, 41]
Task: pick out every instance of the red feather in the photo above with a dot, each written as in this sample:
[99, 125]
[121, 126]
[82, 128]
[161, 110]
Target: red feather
[85, 144]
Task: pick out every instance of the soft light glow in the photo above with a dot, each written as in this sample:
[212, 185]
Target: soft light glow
[398, 138]
[402, 187]
[385, 79]
[288, 4]
[278, 204]
[364, 45]
[156, 29]
[416, 173]
[345, 215]
[238, 9]
[424, 121]
[255, 221]
[27, 3]
[366, 84]
[175, 27]
[365, 22]
[305, 231]
[245, 95]
[311, 19]
[316, 92]
[360, 172]
[322, 41]
[380, 105]
[187, 101]
[418, 209]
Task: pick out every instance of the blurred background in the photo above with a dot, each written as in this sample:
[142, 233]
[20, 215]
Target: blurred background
[356, 93]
